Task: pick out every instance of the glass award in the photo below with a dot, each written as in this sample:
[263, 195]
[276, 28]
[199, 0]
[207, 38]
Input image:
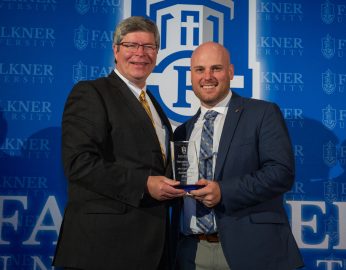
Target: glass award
[185, 164]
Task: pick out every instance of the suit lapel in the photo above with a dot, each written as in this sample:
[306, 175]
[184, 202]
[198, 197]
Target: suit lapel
[234, 112]
[190, 124]
[162, 115]
[134, 106]
[168, 126]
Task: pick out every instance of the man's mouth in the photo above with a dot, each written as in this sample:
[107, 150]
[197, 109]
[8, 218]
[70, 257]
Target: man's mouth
[209, 86]
[142, 64]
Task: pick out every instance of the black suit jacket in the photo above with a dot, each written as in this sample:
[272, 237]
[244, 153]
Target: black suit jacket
[109, 148]
[254, 168]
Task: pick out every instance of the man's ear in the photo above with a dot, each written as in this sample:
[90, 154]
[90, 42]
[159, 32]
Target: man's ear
[231, 71]
[115, 52]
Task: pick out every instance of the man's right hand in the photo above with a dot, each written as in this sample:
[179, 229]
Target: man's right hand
[162, 188]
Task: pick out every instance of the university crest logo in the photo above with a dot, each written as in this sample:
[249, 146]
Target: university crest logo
[327, 12]
[81, 39]
[79, 72]
[329, 154]
[183, 27]
[82, 6]
[329, 117]
[328, 82]
[330, 191]
[328, 46]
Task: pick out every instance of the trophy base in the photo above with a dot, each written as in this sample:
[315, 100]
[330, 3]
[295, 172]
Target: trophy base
[188, 188]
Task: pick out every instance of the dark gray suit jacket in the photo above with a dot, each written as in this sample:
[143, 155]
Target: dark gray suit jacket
[109, 149]
[254, 168]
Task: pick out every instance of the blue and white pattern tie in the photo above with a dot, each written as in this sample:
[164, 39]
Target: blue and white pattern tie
[205, 215]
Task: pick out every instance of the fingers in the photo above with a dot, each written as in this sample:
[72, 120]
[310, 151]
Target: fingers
[203, 182]
[162, 188]
[170, 189]
[208, 201]
[210, 195]
[171, 182]
[203, 191]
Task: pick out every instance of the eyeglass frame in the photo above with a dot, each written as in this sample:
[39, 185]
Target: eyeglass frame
[147, 48]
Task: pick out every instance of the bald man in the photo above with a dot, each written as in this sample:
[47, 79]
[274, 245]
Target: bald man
[237, 221]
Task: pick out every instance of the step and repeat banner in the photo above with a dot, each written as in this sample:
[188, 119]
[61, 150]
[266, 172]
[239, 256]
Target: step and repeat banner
[292, 52]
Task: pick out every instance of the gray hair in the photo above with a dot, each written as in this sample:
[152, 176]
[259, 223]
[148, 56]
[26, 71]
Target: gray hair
[135, 24]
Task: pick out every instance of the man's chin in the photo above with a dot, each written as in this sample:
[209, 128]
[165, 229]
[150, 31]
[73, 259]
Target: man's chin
[140, 75]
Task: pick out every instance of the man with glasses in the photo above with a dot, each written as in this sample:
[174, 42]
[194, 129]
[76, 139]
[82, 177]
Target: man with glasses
[116, 158]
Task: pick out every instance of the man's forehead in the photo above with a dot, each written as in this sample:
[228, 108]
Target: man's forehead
[207, 65]
[139, 34]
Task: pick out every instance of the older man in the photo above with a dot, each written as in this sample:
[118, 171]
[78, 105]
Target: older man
[115, 154]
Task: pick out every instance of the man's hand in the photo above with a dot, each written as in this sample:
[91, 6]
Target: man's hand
[162, 188]
[210, 195]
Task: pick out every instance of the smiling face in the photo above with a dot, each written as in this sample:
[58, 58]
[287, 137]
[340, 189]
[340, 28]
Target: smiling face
[211, 73]
[136, 66]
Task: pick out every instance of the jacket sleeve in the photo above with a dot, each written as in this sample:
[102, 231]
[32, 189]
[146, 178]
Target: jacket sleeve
[262, 167]
[87, 149]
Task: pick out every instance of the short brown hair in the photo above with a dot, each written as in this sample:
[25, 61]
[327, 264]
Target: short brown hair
[135, 24]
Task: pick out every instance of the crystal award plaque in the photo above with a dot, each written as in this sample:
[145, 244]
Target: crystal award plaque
[185, 164]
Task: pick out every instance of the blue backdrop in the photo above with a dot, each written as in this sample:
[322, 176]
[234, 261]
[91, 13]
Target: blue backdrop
[292, 52]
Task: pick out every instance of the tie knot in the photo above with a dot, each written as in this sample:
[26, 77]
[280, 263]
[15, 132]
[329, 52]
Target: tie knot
[210, 115]
[142, 96]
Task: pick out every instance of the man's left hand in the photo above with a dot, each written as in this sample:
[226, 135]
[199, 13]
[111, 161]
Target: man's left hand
[210, 195]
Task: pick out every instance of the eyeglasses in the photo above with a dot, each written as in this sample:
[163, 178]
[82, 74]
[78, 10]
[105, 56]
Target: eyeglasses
[133, 47]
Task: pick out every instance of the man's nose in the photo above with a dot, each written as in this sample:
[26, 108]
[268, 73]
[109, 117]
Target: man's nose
[140, 50]
[207, 74]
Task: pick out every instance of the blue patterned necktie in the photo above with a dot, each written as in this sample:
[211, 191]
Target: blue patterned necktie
[205, 215]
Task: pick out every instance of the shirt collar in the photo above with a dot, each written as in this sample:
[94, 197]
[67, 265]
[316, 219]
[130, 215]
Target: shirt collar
[221, 107]
[135, 89]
